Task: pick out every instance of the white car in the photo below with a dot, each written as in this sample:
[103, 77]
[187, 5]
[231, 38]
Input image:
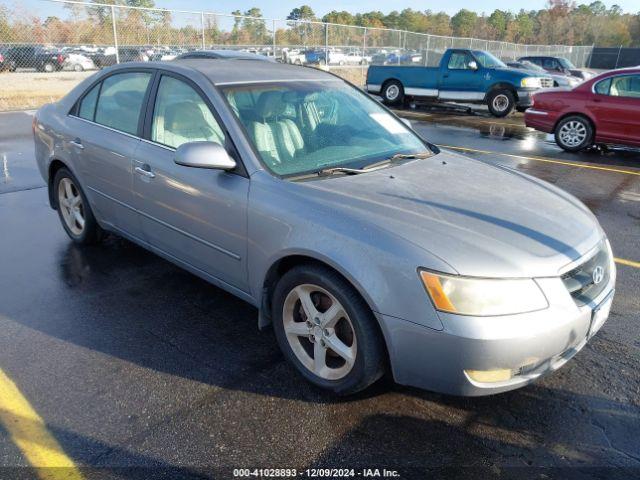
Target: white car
[356, 58]
[78, 62]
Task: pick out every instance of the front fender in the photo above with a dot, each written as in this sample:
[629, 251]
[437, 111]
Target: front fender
[380, 265]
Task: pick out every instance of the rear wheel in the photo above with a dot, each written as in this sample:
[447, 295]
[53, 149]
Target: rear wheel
[393, 93]
[501, 102]
[574, 133]
[78, 68]
[326, 330]
[74, 210]
[48, 67]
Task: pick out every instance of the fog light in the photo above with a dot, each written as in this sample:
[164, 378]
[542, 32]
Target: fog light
[490, 376]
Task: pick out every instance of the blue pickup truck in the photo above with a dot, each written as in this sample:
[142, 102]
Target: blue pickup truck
[467, 76]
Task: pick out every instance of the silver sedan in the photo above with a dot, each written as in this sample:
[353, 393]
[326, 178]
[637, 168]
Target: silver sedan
[365, 247]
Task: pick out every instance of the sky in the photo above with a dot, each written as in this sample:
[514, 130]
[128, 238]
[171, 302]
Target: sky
[280, 9]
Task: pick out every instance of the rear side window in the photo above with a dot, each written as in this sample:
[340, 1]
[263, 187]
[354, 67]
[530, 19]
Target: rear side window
[87, 108]
[625, 86]
[120, 101]
[602, 87]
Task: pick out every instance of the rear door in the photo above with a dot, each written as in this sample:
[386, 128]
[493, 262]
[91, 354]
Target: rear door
[616, 107]
[459, 81]
[195, 215]
[108, 122]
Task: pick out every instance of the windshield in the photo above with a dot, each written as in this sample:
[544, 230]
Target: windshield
[487, 60]
[566, 63]
[533, 67]
[303, 127]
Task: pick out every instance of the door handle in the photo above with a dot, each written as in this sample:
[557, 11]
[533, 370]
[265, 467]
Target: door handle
[145, 171]
[77, 143]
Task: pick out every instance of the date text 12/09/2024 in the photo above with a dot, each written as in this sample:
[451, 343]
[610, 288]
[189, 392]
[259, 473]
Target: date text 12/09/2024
[314, 473]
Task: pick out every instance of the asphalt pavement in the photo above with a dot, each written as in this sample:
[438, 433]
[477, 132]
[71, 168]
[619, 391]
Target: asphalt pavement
[138, 369]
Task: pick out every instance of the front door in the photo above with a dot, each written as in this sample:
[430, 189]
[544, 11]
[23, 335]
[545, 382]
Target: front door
[460, 81]
[195, 215]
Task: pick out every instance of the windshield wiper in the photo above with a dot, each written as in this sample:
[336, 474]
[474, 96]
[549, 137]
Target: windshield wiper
[325, 172]
[409, 156]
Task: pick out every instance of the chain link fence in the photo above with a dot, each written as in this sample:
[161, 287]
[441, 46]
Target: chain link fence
[68, 35]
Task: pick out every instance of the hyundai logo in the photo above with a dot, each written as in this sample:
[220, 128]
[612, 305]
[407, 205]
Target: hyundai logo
[597, 275]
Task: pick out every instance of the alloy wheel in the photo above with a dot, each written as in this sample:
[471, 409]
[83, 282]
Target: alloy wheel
[319, 331]
[573, 133]
[71, 206]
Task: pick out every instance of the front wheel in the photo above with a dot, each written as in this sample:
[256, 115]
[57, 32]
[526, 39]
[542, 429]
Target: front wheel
[574, 133]
[501, 103]
[48, 67]
[78, 68]
[393, 93]
[326, 330]
[74, 210]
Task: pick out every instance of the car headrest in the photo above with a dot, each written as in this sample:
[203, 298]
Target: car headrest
[270, 104]
[182, 115]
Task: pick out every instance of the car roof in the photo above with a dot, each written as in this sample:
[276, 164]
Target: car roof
[226, 71]
[225, 54]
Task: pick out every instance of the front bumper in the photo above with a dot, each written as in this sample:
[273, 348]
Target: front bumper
[525, 97]
[530, 345]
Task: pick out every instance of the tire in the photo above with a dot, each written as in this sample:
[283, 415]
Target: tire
[574, 133]
[66, 189]
[48, 67]
[393, 93]
[78, 68]
[501, 102]
[355, 333]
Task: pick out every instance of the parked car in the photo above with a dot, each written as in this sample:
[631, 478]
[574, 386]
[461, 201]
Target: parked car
[4, 64]
[41, 58]
[604, 109]
[362, 244]
[463, 76]
[125, 54]
[558, 65]
[295, 57]
[78, 62]
[357, 58]
[558, 80]
[222, 54]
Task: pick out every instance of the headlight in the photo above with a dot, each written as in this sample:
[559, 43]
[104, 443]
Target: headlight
[531, 82]
[483, 296]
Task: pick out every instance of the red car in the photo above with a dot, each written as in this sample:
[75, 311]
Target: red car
[604, 109]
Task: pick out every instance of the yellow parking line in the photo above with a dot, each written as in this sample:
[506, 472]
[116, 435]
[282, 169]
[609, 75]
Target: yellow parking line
[30, 434]
[628, 263]
[543, 159]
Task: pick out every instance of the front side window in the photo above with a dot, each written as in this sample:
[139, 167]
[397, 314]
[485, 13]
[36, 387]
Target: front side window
[181, 115]
[120, 101]
[459, 61]
[625, 86]
[303, 127]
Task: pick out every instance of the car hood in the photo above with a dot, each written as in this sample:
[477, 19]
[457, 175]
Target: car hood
[482, 220]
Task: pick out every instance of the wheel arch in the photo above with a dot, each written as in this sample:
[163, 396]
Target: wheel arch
[576, 114]
[54, 166]
[388, 81]
[501, 86]
[291, 260]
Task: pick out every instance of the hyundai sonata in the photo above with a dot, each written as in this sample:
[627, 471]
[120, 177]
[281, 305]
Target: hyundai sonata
[366, 247]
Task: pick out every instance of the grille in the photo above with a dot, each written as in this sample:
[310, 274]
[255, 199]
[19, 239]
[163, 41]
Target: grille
[546, 82]
[580, 281]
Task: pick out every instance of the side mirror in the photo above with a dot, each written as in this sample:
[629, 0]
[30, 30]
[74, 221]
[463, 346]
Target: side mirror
[204, 155]
[473, 65]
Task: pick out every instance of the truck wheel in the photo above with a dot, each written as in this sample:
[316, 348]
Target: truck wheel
[574, 133]
[501, 103]
[393, 93]
[48, 67]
